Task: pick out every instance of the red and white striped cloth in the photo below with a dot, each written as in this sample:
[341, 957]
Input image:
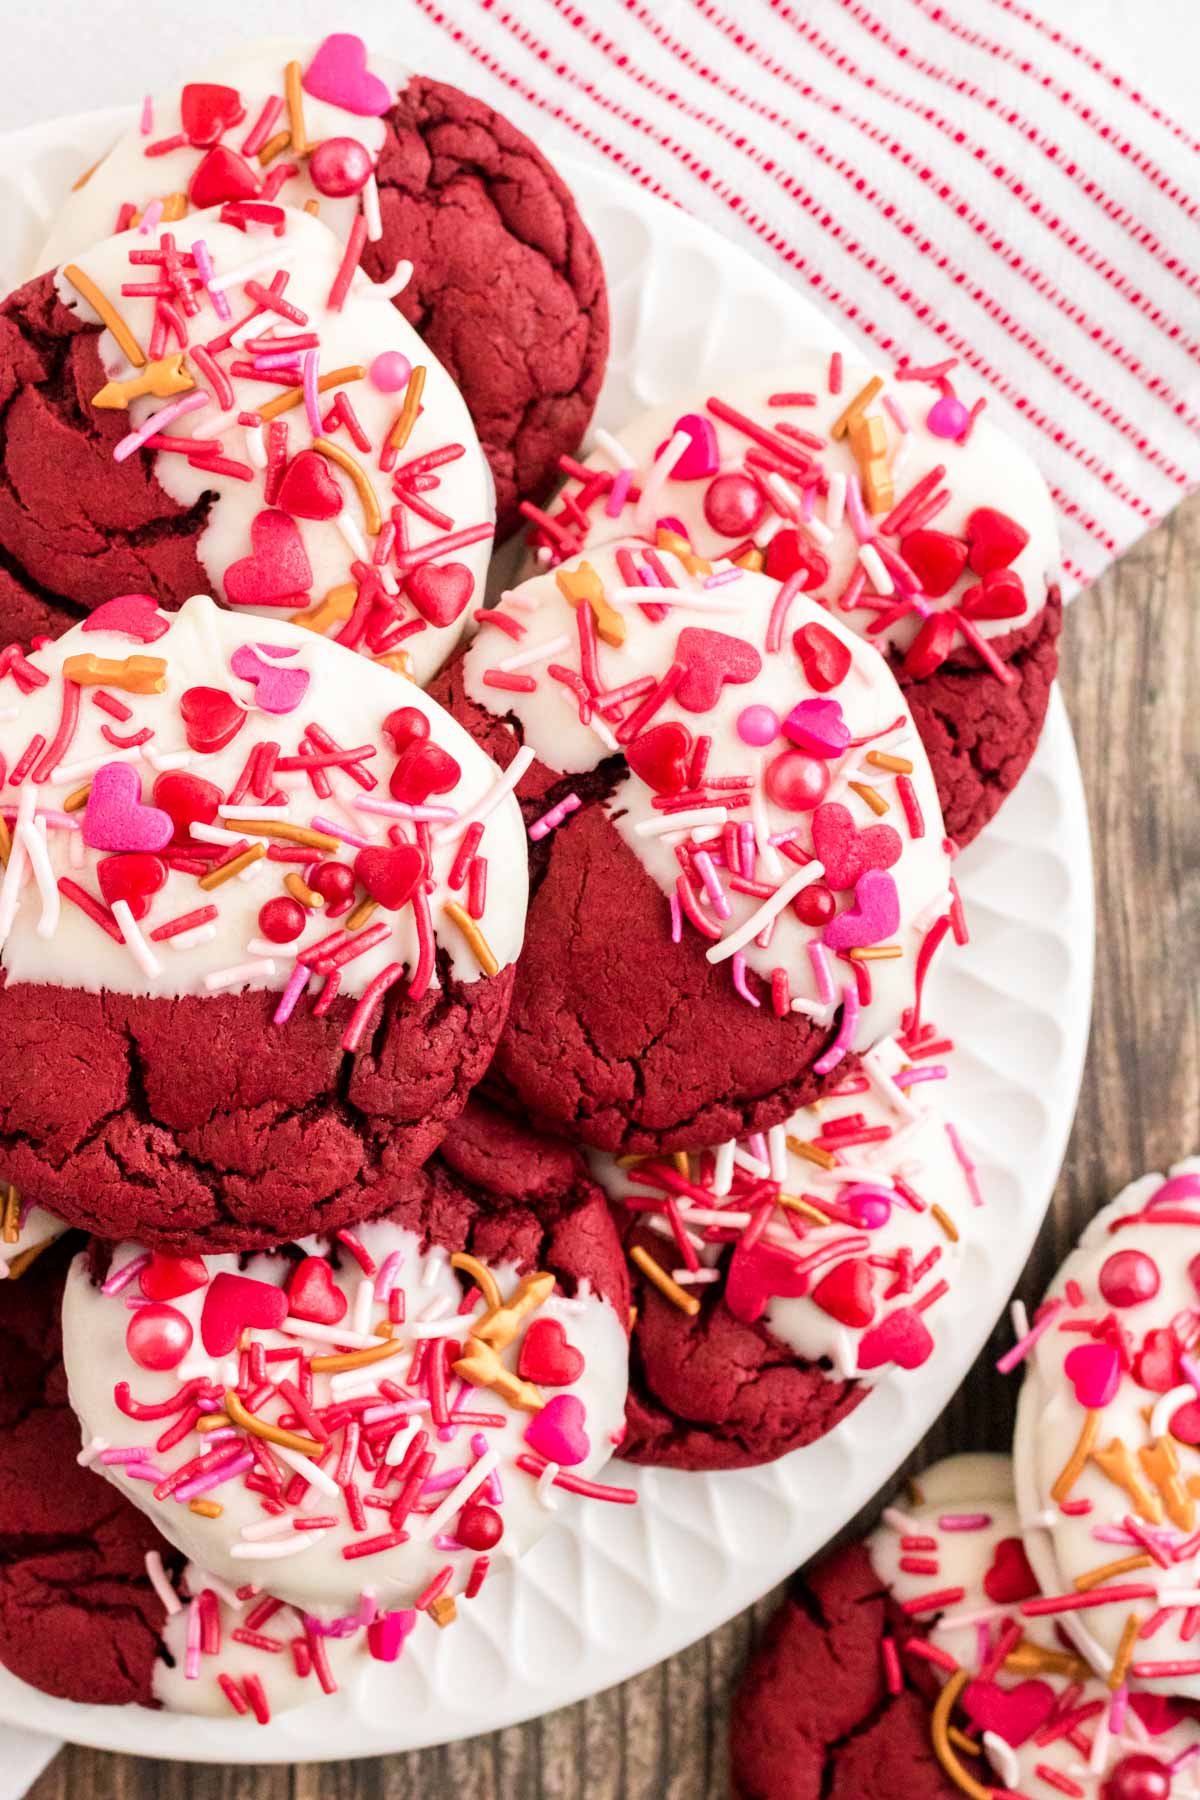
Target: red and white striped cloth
[946, 177]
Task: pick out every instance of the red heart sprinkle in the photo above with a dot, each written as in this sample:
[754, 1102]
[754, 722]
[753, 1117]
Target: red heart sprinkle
[308, 489]
[235, 1302]
[789, 554]
[903, 1338]
[313, 1294]
[1000, 595]
[189, 799]
[661, 756]
[824, 658]
[405, 726]
[133, 615]
[211, 718]
[845, 1293]
[1014, 1714]
[422, 769]
[848, 852]
[169, 1277]
[440, 591]
[755, 1275]
[935, 558]
[390, 874]
[546, 1358]
[710, 659]
[995, 540]
[931, 646]
[207, 109]
[1156, 1365]
[1159, 1712]
[1010, 1578]
[277, 572]
[135, 876]
[222, 175]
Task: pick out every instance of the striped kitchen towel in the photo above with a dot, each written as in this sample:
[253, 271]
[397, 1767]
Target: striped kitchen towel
[949, 178]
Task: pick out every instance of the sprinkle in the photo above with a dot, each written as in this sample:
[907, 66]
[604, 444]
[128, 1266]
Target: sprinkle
[354, 248]
[86, 288]
[293, 397]
[488, 802]
[240, 975]
[483, 952]
[138, 948]
[1020, 1351]
[226, 871]
[770, 909]
[845, 1037]
[358, 475]
[655, 1273]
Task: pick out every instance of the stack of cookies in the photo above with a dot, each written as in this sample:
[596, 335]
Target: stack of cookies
[452, 1038]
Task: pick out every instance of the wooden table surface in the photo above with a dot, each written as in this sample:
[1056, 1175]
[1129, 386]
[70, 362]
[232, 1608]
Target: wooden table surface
[1131, 674]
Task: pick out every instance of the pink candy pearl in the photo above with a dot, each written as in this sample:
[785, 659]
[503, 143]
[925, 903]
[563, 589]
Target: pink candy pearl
[796, 781]
[390, 371]
[340, 166]
[948, 417]
[1128, 1277]
[158, 1336]
[734, 505]
[1138, 1777]
[758, 725]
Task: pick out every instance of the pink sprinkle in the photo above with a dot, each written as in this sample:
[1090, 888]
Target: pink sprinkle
[121, 1278]
[891, 1666]
[195, 1623]
[965, 1164]
[618, 493]
[964, 1521]
[856, 512]
[150, 218]
[550, 821]
[738, 965]
[676, 918]
[173, 410]
[1023, 1346]
[897, 412]
[335, 828]
[312, 404]
[835, 372]
[723, 579]
[298, 980]
[389, 1274]
[146, 123]
[818, 956]
[910, 1077]
[845, 1037]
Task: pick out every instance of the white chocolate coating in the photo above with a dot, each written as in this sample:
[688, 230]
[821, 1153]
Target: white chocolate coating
[127, 174]
[366, 327]
[37, 1228]
[350, 698]
[990, 470]
[870, 701]
[979, 1488]
[318, 1578]
[919, 1152]
[1063, 1546]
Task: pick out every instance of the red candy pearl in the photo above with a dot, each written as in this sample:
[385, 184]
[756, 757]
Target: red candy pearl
[281, 920]
[404, 727]
[479, 1527]
[796, 781]
[1138, 1777]
[814, 905]
[332, 880]
[158, 1336]
[734, 505]
[1129, 1277]
[340, 166]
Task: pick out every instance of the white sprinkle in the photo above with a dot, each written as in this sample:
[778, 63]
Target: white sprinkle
[472, 1480]
[305, 1466]
[712, 1215]
[196, 1578]
[818, 531]
[34, 841]
[681, 822]
[240, 974]
[835, 500]
[656, 480]
[396, 282]
[746, 1159]
[274, 259]
[437, 1328]
[488, 802]
[91, 1451]
[163, 760]
[279, 1547]
[877, 573]
[135, 943]
[200, 934]
[694, 600]
[77, 770]
[364, 1302]
[256, 449]
[614, 449]
[328, 1334]
[698, 1277]
[535, 653]
[777, 1152]
[399, 1441]
[157, 1577]
[770, 909]
[371, 213]
[280, 1526]
[545, 1487]
[214, 834]
[348, 525]
[771, 859]
[723, 1173]
[432, 1267]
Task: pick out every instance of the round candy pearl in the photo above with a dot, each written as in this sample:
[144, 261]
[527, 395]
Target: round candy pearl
[281, 920]
[340, 166]
[1138, 1777]
[870, 1211]
[390, 371]
[948, 417]
[1128, 1277]
[814, 905]
[734, 505]
[158, 1336]
[404, 727]
[332, 880]
[797, 781]
[479, 1527]
[758, 725]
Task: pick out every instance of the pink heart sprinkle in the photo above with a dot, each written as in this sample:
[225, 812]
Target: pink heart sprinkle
[116, 819]
[873, 917]
[818, 727]
[277, 690]
[338, 73]
[133, 615]
[903, 1338]
[557, 1431]
[701, 458]
[1094, 1370]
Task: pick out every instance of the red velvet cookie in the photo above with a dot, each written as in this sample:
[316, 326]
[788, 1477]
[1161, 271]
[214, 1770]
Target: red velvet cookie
[502, 1293]
[94, 1606]
[739, 869]
[506, 289]
[245, 989]
[243, 414]
[758, 1326]
[919, 522]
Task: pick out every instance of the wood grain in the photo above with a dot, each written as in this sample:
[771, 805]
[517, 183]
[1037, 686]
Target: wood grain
[1131, 674]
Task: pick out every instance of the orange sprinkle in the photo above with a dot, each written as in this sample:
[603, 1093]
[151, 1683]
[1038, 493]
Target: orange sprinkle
[132, 674]
[78, 799]
[295, 108]
[485, 956]
[945, 1221]
[11, 1227]
[872, 796]
[274, 1434]
[1078, 1458]
[895, 765]
[669, 1288]
[291, 397]
[862, 399]
[218, 877]
[793, 1203]
[207, 1509]
[273, 147]
[357, 1359]
[299, 889]
[406, 418]
[1124, 1565]
[875, 952]
[358, 475]
[824, 1159]
[1124, 1655]
[87, 290]
[939, 1732]
[337, 605]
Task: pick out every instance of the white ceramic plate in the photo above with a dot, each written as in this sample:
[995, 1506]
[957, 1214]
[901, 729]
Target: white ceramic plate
[615, 1589]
